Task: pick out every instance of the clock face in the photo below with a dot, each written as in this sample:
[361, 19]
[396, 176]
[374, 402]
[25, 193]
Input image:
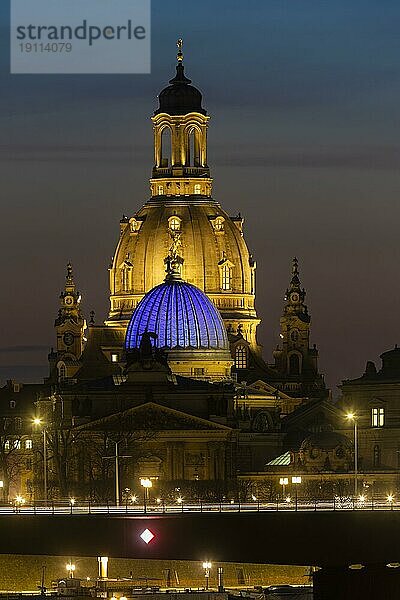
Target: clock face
[68, 300]
[294, 297]
[68, 338]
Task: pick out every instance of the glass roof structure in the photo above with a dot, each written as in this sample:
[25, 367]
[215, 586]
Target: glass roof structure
[180, 315]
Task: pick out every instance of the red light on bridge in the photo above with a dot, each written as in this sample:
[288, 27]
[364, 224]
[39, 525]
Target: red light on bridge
[147, 536]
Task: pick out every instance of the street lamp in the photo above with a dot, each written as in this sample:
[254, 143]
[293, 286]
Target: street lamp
[207, 567]
[146, 483]
[283, 481]
[37, 421]
[296, 480]
[70, 568]
[352, 417]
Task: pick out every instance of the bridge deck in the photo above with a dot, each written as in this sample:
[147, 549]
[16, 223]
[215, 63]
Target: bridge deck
[298, 538]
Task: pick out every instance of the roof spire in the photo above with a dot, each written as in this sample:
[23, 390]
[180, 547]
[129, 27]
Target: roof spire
[179, 56]
[295, 273]
[70, 277]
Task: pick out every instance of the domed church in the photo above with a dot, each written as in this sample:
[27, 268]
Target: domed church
[183, 223]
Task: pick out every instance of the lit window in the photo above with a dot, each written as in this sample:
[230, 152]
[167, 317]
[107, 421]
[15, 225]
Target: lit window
[62, 371]
[160, 190]
[17, 444]
[28, 444]
[378, 417]
[7, 445]
[197, 188]
[174, 223]
[226, 277]
[18, 423]
[241, 357]
[114, 358]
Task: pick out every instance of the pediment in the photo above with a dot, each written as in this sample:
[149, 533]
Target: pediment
[154, 417]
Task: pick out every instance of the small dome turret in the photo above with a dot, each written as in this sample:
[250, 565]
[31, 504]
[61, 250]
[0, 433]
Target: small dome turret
[180, 98]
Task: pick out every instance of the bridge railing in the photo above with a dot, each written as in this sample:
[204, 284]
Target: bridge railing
[76, 507]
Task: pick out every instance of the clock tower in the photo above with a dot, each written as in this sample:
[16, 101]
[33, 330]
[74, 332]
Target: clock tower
[296, 364]
[70, 327]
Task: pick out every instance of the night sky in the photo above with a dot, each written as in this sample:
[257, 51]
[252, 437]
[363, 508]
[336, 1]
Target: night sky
[304, 141]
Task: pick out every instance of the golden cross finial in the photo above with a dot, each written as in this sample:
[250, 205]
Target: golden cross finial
[179, 56]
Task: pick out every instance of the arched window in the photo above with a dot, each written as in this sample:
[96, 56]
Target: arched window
[166, 147]
[294, 364]
[62, 371]
[241, 357]
[174, 223]
[160, 190]
[197, 188]
[28, 444]
[18, 423]
[377, 455]
[193, 148]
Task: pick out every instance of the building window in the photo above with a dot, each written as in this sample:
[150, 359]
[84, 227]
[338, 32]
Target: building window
[174, 223]
[198, 371]
[18, 423]
[7, 445]
[241, 357]
[378, 417]
[28, 444]
[226, 277]
[17, 444]
[12, 403]
[294, 364]
[62, 371]
[114, 358]
[160, 190]
[197, 188]
[126, 279]
[377, 455]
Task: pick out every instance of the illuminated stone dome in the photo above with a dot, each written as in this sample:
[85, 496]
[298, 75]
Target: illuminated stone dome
[182, 213]
[184, 323]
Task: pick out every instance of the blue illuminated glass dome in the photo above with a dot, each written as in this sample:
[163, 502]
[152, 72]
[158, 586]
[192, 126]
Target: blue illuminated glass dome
[181, 316]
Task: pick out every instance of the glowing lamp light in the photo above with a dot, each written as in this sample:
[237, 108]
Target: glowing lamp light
[147, 536]
[284, 480]
[72, 501]
[350, 416]
[146, 482]
[390, 498]
[179, 500]
[288, 499]
[361, 498]
[37, 421]
[207, 565]
[133, 499]
[296, 479]
[19, 499]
